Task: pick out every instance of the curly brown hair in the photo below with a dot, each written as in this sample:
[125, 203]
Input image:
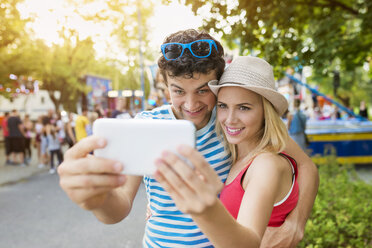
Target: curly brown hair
[187, 65]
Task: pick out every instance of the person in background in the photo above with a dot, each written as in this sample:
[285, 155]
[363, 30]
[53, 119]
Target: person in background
[99, 110]
[60, 128]
[51, 116]
[54, 146]
[92, 116]
[70, 131]
[81, 125]
[297, 125]
[44, 153]
[121, 109]
[17, 138]
[37, 143]
[28, 128]
[4, 126]
[363, 110]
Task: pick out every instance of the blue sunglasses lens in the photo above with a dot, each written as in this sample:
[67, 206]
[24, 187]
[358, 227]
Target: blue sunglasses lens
[201, 48]
[173, 51]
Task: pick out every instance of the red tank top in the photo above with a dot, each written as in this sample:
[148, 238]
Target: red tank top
[232, 195]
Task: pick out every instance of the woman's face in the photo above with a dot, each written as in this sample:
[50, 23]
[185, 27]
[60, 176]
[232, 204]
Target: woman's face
[240, 113]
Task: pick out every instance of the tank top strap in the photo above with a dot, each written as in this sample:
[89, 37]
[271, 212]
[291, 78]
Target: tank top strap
[239, 177]
[291, 160]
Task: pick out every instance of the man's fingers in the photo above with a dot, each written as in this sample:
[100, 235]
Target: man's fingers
[90, 165]
[82, 195]
[92, 181]
[84, 147]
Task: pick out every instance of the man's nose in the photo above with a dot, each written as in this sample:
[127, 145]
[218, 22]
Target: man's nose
[191, 102]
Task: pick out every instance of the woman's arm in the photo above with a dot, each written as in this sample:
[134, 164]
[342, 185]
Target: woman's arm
[195, 192]
[292, 231]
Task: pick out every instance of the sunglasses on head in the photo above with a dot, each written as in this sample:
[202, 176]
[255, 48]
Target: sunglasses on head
[198, 48]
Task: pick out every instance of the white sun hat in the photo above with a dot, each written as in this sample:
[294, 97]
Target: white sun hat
[254, 74]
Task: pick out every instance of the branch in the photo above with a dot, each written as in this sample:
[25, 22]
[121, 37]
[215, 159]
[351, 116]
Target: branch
[343, 6]
[331, 4]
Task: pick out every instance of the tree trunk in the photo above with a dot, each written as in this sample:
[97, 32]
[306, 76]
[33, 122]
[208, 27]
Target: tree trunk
[55, 101]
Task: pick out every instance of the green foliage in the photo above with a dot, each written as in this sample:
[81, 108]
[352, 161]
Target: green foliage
[327, 35]
[11, 25]
[61, 67]
[342, 212]
[12, 36]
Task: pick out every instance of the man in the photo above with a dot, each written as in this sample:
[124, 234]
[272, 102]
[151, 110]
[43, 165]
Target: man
[16, 138]
[96, 184]
[121, 110]
[296, 125]
[81, 124]
[4, 126]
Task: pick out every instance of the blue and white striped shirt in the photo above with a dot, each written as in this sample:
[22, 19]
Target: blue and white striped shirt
[167, 226]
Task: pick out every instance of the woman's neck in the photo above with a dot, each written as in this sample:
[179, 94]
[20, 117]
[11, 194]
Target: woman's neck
[246, 149]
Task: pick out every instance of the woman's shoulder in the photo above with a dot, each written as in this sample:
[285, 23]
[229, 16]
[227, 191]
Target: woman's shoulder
[269, 160]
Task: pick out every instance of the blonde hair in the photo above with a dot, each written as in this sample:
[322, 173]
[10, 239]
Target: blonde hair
[272, 136]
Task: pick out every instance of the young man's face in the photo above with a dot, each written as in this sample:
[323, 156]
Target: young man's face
[192, 99]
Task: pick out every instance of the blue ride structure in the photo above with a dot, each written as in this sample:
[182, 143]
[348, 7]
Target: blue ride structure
[350, 139]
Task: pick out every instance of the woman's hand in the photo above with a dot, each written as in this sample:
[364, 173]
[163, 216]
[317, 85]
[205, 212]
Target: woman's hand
[194, 190]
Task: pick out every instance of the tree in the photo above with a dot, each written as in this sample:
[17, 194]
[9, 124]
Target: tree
[329, 35]
[12, 35]
[12, 26]
[62, 67]
[122, 17]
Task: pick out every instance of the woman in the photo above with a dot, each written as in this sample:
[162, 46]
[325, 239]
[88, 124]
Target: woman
[70, 131]
[54, 146]
[28, 129]
[261, 188]
[37, 144]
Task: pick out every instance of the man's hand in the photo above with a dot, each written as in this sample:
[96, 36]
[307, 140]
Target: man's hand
[88, 180]
[288, 235]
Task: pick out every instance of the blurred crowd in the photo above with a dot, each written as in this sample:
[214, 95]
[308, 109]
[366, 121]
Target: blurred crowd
[325, 110]
[51, 134]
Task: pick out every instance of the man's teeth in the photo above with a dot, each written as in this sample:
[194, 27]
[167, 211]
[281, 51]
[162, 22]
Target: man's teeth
[195, 111]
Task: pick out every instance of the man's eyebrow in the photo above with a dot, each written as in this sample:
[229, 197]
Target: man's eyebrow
[200, 87]
[206, 84]
[174, 85]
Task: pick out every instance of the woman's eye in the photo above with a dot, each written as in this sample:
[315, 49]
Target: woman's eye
[244, 108]
[221, 105]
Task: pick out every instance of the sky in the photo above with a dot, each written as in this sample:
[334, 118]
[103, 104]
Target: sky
[49, 17]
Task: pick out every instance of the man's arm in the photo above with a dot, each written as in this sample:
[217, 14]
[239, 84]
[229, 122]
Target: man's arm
[118, 200]
[292, 231]
[96, 184]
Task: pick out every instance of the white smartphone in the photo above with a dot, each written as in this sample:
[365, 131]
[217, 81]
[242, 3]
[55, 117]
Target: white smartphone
[138, 142]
